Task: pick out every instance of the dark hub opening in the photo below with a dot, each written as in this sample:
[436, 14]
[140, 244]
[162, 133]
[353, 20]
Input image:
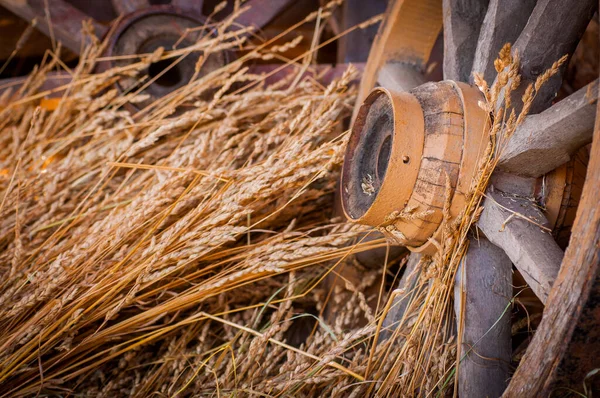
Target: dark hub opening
[170, 77]
[384, 157]
[368, 154]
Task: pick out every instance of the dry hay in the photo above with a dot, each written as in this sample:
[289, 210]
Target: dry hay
[177, 254]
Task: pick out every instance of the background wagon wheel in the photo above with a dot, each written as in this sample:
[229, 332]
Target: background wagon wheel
[67, 16]
[141, 26]
[405, 133]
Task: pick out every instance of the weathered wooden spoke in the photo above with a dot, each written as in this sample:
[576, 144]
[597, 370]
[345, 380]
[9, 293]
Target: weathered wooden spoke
[531, 186]
[462, 21]
[521, 230]
[404, 295]
[482, 293]
[553, 30]
[547, 140]
[504, 21]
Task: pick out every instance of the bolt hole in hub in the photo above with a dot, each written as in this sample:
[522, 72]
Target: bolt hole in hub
[401, 148]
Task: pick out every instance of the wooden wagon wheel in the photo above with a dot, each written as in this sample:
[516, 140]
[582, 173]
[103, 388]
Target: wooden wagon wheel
[407, 131]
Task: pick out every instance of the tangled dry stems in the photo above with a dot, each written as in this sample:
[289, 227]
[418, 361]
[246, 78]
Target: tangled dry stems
[181, 253]
[171, 252]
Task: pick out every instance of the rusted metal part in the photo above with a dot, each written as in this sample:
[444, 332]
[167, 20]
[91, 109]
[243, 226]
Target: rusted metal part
[262, 12]
[123, 7]
[402, 147]
[382, 144]
[65, 20]
[549, 364]
[143, 32]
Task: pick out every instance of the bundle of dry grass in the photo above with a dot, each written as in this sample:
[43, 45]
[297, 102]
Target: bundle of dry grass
[168, 251]
[181, 249]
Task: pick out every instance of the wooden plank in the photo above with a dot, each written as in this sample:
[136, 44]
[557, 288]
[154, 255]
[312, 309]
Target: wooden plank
[123, 7]
[530, 247]
[262, 12]
[504, 21]
[553, 30]
[398, 307]
[355, 46]
[549, 139]
[191, 6]
[482, 293]
[462, 21]
[566, 345]
[66, 20]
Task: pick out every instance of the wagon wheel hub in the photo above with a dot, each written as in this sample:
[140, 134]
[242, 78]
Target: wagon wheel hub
[408, 136]
[143, 32]
[404, 149]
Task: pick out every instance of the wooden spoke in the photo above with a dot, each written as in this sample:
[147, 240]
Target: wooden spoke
[567, 342]
[515, 184]
[405, 287]
[193, 6]
[66, 20]
[504, 21]
[375, 258]
[126, 6]
[547, 140]
[262, 12]
[406, 35]
[462, 21]
[482, 293]
[518, 227]
[553, 30]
